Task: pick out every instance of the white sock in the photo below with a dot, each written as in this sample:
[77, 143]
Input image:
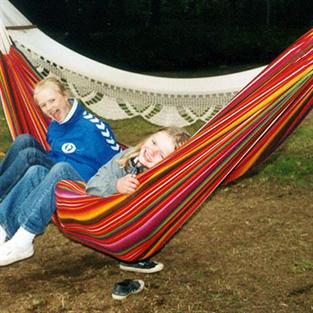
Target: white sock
[22, 238]
[3, 235]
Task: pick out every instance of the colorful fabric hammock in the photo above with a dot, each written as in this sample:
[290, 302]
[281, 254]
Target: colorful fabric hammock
[18, 80]
[239, 137]
[253, 125]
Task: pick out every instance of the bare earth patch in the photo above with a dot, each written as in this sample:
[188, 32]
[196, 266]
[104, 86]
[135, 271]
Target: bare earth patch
[248, 249]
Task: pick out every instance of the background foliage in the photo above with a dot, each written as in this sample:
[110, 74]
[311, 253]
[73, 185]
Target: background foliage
[174, 35]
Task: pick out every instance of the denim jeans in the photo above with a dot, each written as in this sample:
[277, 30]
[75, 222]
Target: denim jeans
[31, 202]
[24, 152]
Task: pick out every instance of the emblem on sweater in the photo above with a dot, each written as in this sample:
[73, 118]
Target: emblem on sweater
[68, 147]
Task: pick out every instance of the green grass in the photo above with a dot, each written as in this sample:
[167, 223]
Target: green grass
[132, 130]
[128, 131]
[5, 137]
[291, 164]
[303, 266]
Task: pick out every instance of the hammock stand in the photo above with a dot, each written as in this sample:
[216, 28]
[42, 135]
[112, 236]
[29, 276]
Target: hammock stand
[254, 123]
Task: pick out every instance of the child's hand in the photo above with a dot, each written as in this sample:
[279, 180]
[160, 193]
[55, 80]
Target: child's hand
[127, 184]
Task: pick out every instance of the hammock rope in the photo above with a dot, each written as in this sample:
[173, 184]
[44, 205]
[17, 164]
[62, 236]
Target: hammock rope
[241, 135]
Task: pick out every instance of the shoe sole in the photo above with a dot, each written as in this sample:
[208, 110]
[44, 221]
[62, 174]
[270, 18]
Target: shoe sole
[119, 297]
[155, 269]
[27, 255]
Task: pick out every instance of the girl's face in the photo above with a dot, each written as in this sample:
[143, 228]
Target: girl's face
[53, 103]
[155, 149]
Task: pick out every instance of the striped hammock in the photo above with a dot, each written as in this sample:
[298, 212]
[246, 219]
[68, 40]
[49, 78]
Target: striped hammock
[240, 136]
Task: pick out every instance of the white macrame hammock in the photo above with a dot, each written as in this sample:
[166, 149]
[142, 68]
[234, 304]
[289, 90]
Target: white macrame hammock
[117, 94]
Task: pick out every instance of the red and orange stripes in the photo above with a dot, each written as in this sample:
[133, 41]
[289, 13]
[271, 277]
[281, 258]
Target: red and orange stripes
[239, 137]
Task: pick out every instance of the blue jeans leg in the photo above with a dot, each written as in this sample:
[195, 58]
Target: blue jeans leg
[20, 143]
[36, 199]
[10, 207]
[24, 153]
[42, 199]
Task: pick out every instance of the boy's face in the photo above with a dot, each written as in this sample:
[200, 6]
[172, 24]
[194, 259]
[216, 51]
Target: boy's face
[53, 103]
[155, 149]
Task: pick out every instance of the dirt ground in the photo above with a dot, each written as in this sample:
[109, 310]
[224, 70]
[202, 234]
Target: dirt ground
[248, 249]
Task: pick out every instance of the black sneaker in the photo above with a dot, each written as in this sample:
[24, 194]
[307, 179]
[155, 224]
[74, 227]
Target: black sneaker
[142, 267]
[123, 289]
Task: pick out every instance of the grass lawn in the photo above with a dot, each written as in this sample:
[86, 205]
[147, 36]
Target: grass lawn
[128, 131]
[292, 163]
[247, 249]
[5, 137]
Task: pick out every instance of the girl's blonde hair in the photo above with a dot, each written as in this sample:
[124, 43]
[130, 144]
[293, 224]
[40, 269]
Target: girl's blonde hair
[179, 135]
[55, 83]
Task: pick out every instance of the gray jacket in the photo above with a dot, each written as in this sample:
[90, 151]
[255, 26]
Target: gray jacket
[104, 182]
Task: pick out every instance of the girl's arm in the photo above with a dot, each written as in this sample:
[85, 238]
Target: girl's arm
[104, 182]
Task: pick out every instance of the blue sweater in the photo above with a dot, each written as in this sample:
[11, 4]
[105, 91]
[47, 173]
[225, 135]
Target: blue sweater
[84, 141]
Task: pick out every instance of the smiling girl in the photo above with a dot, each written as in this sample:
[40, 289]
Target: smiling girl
[119, 175]
[79, 144]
